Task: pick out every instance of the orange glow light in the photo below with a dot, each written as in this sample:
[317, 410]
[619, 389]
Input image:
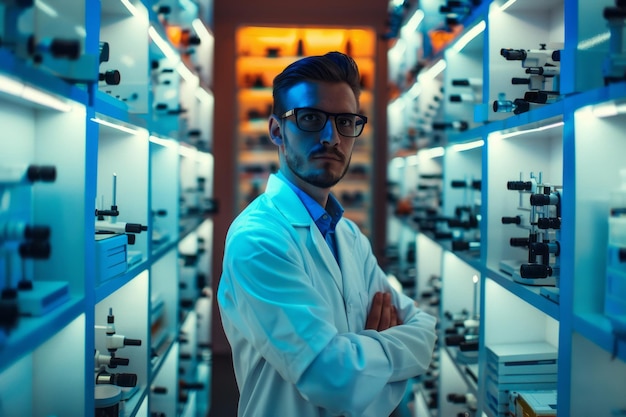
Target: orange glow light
[174, 34]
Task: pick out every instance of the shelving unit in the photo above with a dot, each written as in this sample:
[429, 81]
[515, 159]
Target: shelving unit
[570, 146]
[262, 53]
[125, 120]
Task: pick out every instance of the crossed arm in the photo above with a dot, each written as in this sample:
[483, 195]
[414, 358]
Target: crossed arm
[383, 313]
[366, 370]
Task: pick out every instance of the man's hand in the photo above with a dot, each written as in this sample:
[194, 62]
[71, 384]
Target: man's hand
[383, 313]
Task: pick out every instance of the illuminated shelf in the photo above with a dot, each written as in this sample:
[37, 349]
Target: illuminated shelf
[564, 142]
[62, 111]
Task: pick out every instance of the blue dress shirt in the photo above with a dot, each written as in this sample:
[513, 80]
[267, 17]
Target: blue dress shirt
[325, 219]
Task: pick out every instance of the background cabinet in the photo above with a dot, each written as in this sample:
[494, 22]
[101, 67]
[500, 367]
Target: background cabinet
[116, 99]
[491, 130]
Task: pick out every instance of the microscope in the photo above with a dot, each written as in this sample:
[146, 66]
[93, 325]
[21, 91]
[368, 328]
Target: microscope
[465, 224]
[22, 243]
[540, 206]
[106, 363]
[543, 69]
[112, 240]
[34, 36]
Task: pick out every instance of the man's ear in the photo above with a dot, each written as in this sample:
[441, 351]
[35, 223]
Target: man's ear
[275, 131]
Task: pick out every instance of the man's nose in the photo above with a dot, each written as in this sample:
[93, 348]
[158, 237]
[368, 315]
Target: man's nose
[330, 134]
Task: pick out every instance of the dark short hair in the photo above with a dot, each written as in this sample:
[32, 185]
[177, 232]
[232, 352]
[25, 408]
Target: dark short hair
[330, 67]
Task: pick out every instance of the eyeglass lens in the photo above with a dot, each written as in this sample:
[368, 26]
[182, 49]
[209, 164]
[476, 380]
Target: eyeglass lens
[312, 120]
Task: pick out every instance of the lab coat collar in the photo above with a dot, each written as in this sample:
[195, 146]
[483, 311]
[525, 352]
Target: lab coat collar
[287, 202]
[290, 206]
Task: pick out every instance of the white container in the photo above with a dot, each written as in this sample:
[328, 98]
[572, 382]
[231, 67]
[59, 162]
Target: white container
[108, 399]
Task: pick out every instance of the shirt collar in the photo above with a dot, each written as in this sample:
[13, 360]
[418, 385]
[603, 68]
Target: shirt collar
[325, 219]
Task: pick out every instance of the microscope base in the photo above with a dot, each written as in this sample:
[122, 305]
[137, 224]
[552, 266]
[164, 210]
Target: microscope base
[43, 297]
[548, 281]
[510, 266]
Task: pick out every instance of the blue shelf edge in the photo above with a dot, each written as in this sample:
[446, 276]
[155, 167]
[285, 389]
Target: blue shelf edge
[543, 115]
[549, 112]
[32, 332]
[163, 248]
[106, 288]
[528, 293]
[598, 329]
[469, 135]
[106, 105]
[599, 95]
[12, 66]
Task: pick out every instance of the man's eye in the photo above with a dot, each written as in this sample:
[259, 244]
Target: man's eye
[345, 121]
[310, 117]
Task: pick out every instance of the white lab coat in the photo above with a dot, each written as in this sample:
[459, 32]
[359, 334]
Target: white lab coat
[295, 321]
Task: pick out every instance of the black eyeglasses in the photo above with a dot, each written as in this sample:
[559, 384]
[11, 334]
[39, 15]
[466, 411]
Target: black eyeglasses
[313, 120]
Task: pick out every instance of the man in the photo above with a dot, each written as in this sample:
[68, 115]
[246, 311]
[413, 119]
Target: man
[314, 326]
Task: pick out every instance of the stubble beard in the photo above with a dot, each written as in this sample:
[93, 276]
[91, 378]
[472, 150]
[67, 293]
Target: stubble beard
[320, 178]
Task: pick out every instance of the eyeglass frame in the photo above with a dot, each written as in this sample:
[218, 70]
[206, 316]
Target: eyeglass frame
[293, 112]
